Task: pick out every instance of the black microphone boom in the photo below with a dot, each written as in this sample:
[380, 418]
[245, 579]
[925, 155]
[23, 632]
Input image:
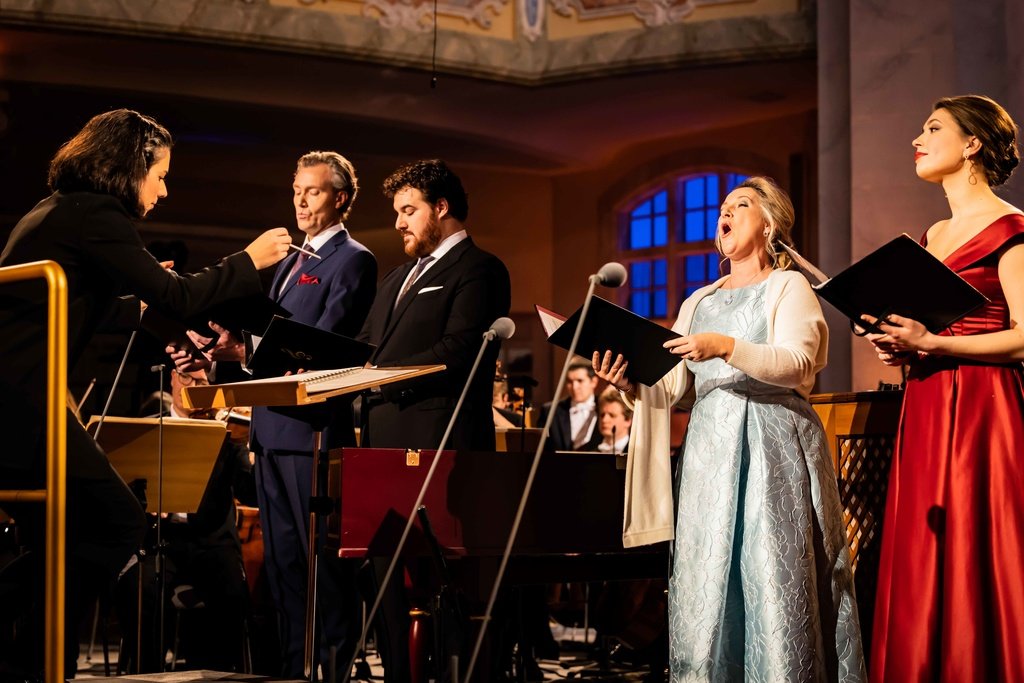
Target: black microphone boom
[502, 328]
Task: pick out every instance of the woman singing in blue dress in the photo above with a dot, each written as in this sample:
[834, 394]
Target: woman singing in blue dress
[762, 585]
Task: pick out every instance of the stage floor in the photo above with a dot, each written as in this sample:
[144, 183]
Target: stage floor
[576, 663]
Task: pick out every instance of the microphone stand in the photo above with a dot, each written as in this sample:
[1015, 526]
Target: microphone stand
[488, 336]
[594, 279]
[161, 579]
[117, 378]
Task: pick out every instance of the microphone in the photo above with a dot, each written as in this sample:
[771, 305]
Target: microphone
[502, 328]
[611, 274]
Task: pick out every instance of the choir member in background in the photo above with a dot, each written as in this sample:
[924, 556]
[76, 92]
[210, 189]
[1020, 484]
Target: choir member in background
[614, 421]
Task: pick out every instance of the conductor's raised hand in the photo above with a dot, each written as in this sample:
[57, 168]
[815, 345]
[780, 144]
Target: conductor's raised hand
[269, 248]
[612, 369]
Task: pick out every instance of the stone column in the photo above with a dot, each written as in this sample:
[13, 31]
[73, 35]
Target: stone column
[903, 57]
[834, 175]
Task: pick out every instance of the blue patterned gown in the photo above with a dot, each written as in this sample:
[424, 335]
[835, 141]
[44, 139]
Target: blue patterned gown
[761, 587]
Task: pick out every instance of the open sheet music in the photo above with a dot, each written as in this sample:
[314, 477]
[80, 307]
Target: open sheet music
[300, 389]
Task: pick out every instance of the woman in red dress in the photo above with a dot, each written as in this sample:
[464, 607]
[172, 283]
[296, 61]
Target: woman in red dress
[950, 603]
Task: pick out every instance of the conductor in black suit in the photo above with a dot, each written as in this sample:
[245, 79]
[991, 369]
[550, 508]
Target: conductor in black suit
[434, 310]
[104, 179]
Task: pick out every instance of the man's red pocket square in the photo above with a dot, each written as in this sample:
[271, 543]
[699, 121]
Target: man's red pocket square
[305, 279]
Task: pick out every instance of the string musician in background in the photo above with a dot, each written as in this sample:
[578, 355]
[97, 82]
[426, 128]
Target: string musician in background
[502, 406]
[106, 177]
[950, 602]
[761, 584]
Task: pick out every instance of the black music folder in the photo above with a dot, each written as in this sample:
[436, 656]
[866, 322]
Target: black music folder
[611, 327]
[243, 314]
[901, 277]
[291, 345]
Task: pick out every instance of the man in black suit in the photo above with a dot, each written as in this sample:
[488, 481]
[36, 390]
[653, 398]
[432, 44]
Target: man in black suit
[575, 425]
[434, 310]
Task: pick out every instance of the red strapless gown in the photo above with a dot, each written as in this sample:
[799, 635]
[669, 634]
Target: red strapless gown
[950, 603]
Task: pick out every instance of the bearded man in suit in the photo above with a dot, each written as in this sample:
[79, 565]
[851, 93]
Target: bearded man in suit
[434, 310]
[431, 310]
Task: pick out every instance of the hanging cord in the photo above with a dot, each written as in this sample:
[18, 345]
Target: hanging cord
[433, 56]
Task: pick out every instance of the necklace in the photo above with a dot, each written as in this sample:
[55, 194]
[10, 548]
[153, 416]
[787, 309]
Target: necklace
[729, 293]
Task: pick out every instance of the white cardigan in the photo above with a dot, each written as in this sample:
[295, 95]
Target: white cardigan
[795, 351]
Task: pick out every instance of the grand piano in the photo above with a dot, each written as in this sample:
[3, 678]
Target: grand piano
[571, 527]
[571, 531]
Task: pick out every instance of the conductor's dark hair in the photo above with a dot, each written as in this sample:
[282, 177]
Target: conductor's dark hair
[435, 180]
[111, 155]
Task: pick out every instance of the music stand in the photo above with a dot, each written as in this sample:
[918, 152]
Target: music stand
[518, 439]
[190, 447]
[303, 389]
[136, 448]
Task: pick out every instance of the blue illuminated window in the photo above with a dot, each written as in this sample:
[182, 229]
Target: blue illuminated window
[648, 222]
[648, 292]
[668, 241]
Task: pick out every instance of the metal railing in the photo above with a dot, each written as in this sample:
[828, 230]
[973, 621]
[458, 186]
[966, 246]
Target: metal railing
[55, 494]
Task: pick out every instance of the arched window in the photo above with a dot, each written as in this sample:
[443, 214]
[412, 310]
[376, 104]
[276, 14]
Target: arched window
[668, 240]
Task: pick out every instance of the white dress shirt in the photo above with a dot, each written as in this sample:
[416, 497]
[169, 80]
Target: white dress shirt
[582, 416]
[446, 245]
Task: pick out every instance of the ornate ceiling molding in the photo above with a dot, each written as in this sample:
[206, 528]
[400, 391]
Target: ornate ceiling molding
[396, 35]
[417, 15]
[650, 12]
